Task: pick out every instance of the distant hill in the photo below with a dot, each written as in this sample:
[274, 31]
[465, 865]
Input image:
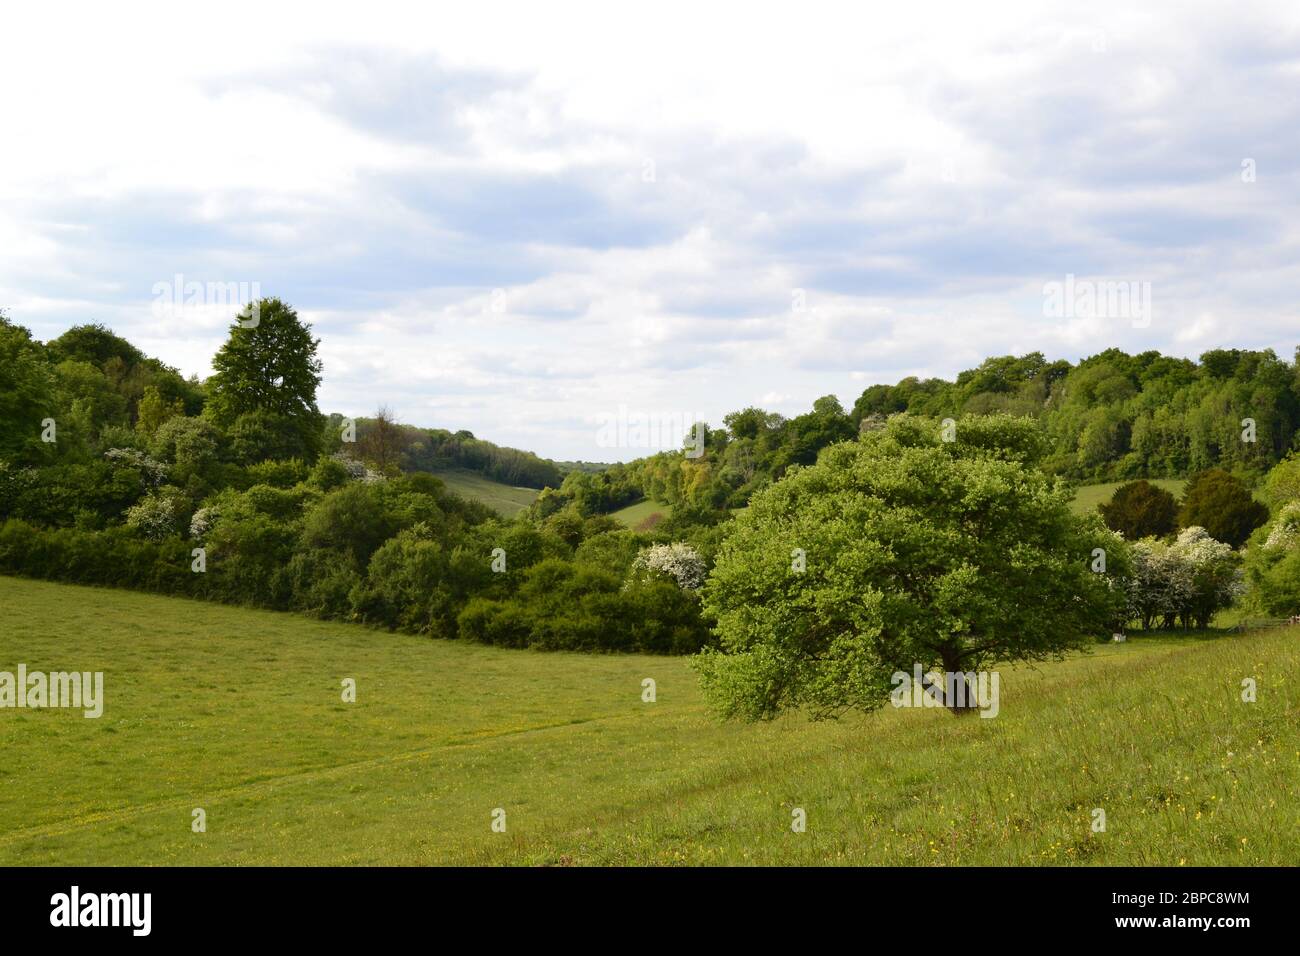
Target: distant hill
[387, 442]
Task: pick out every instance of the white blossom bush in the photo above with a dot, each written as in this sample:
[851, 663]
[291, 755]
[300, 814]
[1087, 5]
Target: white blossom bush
[153, 470]
[1285, 532]
[1152, 586]
[202, 521]
[1188, 581]
[357, 470]
[154, 517]
[1213, 572]
[677, 560]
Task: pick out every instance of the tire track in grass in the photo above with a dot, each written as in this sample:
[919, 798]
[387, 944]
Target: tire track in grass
[257, 787]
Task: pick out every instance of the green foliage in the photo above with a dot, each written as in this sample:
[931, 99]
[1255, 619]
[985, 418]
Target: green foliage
[280, 474]
[436, 449]
[950, 554]
[1273, 558]
[1282, 484]
[356, 518]
[26, 394]
[1140, 510]
[1222, 505]
[156, 516]
[148, 464]
[95, 344]
[154, 410]
[563, 605]
[115, 557]
[264, 384]
[91, 493]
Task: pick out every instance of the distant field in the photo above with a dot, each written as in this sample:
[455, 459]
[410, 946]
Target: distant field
[635, 516]
[505, 499]
[1088, 497]
[239, 712]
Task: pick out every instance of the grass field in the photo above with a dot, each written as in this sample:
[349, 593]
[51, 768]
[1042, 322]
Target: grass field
[1088, 497]
[239, 712]
[504, 499]
[636, 516]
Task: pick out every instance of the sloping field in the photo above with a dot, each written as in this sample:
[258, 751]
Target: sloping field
[504, 499]
[239, 712]
[643, 515]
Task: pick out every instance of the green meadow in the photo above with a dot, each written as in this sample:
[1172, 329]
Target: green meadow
[504, 499]
[240, 713]
[637, 516]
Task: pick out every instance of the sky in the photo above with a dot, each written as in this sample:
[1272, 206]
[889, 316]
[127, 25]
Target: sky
[538, 221]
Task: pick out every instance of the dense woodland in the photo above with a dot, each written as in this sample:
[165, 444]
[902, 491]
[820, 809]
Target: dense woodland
[1112, 417]
[117, 470]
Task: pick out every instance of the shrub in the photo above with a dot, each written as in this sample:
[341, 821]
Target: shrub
[407, 585]
[155, 517]
[354, 518]
[1140, 510]
[278, 474]
[1273, 563]
[322, 583]
[1219, 503]
[115, 557]
[678, 561]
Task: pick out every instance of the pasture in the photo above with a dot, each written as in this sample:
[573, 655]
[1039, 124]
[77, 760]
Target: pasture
[239, 712]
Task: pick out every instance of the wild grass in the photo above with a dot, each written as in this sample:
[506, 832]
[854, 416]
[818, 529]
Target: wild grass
[239, 712]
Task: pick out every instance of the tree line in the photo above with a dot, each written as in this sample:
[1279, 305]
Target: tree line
[115, 470]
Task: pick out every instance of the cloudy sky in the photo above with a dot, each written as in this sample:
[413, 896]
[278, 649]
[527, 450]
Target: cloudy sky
[530, 219]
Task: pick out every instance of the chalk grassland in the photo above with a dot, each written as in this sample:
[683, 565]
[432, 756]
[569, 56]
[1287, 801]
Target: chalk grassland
[239, 712]
[504, 499]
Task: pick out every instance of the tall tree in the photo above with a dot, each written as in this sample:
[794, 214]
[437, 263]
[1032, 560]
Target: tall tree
[382, 440]
[264, 386]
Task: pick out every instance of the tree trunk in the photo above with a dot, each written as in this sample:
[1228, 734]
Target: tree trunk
[965, 699]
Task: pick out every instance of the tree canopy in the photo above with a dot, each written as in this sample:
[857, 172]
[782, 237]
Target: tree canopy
[267, 373]
[1140, 510]
[897, 550]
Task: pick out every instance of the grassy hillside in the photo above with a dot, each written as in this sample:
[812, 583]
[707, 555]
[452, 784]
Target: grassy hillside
[239, 712]
[1088, 497]
[642, 515]
[503, 499]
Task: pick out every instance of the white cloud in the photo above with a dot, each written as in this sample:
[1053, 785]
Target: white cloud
[648, 187]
